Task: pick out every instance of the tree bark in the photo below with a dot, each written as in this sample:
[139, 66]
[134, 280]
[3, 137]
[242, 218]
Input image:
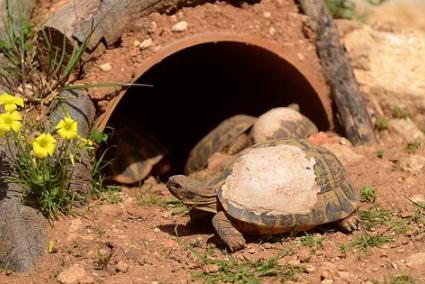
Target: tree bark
[104, 20]
[80, 107]
[351, 110]
[18, 9]
[23, 230]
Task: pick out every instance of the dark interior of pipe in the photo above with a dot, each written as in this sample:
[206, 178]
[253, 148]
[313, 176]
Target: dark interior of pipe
[197, 88]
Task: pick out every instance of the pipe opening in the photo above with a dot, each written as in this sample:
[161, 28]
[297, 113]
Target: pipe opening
[198, 87]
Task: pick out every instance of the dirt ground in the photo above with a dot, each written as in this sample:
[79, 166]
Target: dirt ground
[139, 234]
[144, 232]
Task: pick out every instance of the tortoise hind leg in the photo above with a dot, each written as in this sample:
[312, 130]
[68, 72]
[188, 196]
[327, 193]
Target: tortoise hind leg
[349, 224]
[227, 232]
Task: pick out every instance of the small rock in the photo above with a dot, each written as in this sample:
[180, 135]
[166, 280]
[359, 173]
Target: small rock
[327, 281]
[304, 254]
[413, 163]
[346, 276]
[146, 44]
[211, 268]
[136, 43]
[272, 30]
[106, 67]
[154, 26]
[121, 266]
[180, 27]
[251, 251]
[310, 268]
[156, 230]
[418, 198]
[294, 262]
[268, 246]
[416, 260]
[344, 153]
[407, 129]
[74, 275]
[267, 15]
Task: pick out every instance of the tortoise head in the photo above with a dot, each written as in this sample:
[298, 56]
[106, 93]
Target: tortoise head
[193, 193]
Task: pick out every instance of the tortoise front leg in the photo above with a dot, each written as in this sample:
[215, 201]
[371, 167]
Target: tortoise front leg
[227, 232]
[349, 224]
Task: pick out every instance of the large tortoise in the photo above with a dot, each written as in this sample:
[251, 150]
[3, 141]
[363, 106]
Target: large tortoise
[274, 187]
[282, 122]
[229, 137]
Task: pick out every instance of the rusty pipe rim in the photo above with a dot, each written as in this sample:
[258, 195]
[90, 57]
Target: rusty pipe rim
[284, 53]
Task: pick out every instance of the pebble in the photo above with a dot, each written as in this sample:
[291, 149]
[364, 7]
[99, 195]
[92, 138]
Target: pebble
[418, 198]
[180, 27]
[156, 230]
[136, 43]
[74, 275]
[121, 266]
[310, 268]
[106, 67]
[267, 15]
[146, 44]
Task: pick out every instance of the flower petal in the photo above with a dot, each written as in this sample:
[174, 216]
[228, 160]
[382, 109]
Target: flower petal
[8, 107]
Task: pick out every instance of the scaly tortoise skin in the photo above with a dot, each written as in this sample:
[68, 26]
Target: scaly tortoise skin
[228, 137]
[282, 122]
[134, 154]
[324, 194]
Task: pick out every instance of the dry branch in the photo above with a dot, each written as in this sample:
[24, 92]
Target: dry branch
[351, 110]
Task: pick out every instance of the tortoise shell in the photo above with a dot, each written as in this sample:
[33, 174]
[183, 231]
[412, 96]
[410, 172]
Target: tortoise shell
[285, 185]
[134, 154]
[282, 122]
[217, 140]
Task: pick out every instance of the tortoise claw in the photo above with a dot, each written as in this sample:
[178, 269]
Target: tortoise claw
[349, 224]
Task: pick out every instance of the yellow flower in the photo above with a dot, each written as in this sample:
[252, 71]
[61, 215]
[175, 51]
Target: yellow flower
[10, 120]
[67, 128]
[44, 145]
[10, 102]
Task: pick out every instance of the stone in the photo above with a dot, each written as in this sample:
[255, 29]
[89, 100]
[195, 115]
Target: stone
[136, 43]
[106, 67]
[146, 44]
[394, 15]
[211, 268]
[121, 266]
[418, 198]
[304, 254]
[309, 268]
[267, 15]
[413, 163]
[347, 276]
[74, 275]
[416, 260]
[406, 129]
[388, 68]
[180, 27]
[344, 153]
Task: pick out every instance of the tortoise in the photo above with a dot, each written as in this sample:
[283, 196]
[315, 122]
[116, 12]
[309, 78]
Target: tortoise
[229, 137]
[135, 154]
[282, 122]
[271, 188]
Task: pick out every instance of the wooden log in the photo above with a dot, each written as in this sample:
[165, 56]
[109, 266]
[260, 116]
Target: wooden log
[80, 107]
[18, 9]
[351, 110]
[104, 20]
[23, 230]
